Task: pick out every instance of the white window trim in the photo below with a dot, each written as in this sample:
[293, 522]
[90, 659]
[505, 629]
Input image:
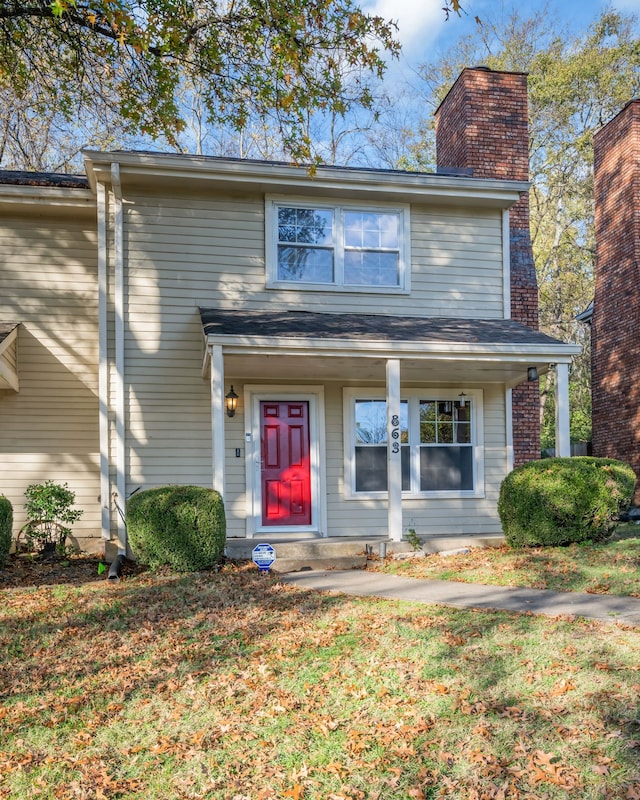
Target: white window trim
[271, 245]
[351, 394]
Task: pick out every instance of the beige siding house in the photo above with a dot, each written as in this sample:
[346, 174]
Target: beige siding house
[334, 352]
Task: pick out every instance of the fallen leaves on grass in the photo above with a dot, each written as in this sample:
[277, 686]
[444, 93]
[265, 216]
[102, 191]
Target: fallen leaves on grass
[235, 686]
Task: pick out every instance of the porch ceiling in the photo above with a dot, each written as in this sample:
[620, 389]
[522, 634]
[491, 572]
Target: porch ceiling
[354, 370]
[353, 348]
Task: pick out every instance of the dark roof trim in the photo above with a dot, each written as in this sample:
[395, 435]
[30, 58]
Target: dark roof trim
[586, 316]
[46, 179]
[6, 328]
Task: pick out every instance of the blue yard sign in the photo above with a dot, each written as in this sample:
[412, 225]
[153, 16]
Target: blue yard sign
[263, 556]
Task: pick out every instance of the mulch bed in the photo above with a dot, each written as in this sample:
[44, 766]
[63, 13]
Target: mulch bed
[33, 570]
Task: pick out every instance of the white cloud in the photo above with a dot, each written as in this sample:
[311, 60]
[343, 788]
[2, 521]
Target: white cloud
[419, 22]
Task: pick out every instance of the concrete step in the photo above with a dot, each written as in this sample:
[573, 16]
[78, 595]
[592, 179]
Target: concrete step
[344, 552]
[304, 564]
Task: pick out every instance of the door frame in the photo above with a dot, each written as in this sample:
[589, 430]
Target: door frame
[254, 394]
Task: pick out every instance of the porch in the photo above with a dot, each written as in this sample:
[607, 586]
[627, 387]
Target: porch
[405, 368]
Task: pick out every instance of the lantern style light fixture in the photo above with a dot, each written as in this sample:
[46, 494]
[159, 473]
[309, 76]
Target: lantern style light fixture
[231, 399]
[532, 374]
[463, 399]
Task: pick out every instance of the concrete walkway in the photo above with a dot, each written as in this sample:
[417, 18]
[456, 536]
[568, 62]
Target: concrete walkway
[606, 608]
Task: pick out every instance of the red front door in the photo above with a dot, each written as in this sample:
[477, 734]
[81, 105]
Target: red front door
[286, 464]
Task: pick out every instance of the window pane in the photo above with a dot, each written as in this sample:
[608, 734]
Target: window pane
[462, 432]
[298, 263]
[445, 433]
[371, 469]
[427, 422]
[305, 225]
[371, 268]
[372, 229]
[405, 458]
[446, 469]
[371, 421]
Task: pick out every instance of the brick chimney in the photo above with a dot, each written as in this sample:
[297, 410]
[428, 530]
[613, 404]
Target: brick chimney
[482, 125]
[615, 336]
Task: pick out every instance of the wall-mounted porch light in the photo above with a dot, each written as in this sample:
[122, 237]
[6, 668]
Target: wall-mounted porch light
[532, 374]
[231, 399]
[463, 399]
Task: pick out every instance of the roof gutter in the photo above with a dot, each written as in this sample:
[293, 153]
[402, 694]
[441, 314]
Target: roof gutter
[273, 345]
[118, 258]
[138, 167]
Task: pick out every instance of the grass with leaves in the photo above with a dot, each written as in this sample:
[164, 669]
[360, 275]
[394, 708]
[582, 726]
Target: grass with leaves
[235, 686]
[609, 568]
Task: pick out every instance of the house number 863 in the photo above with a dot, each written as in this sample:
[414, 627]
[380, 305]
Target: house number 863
[395, 433]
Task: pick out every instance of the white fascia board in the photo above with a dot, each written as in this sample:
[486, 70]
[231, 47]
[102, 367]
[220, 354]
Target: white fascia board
[271, 177]
[237, 345]
[9, 376]
[45, 195]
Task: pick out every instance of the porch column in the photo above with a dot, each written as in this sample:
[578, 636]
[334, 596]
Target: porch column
[217, 417]
[394, 451]
[563, 439]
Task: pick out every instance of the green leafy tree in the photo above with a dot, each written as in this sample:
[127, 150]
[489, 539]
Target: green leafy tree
[49, 515]
[576, 84]
[248, 58]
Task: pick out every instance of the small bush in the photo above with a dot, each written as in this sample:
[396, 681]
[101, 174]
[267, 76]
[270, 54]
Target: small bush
[49, 515]
[6, 525]
[182, 527]
[559, 501]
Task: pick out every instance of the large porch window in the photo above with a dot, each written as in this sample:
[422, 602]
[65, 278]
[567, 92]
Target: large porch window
[441, 452]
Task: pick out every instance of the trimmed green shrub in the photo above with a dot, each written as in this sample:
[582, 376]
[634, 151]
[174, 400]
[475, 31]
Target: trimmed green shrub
[182, 527]
[6, 525]
[559, 501]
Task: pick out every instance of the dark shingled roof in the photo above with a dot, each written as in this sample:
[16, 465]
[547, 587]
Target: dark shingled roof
[370, 327]
[6, 328]
[49, 179]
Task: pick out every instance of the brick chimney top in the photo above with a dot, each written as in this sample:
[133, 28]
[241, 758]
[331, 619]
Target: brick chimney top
[482, 124]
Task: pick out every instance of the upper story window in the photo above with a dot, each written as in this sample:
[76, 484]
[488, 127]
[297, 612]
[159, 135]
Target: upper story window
[343, 247]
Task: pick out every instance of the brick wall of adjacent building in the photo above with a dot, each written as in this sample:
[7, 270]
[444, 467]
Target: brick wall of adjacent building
[482, 124]
[615, 338]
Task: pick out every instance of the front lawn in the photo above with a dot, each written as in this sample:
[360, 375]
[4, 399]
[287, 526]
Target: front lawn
[234, 686]
[608, 568]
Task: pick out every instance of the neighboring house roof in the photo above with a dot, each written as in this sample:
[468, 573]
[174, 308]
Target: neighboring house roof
[6, 328]
[370, 327]
[587, 315]
[57, 180]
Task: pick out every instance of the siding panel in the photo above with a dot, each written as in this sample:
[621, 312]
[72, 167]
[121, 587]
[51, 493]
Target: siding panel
[48, 281]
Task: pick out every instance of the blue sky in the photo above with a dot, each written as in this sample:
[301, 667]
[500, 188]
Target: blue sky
[423, 29]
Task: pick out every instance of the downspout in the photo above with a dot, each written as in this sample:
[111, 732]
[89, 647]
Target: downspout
[103, 364]
[506, 303]
[118, 258]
